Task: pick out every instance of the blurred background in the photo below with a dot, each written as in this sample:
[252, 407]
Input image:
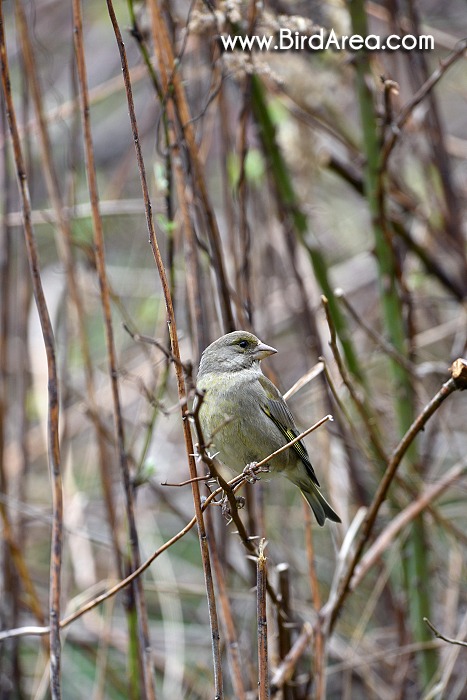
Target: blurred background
[275, 178]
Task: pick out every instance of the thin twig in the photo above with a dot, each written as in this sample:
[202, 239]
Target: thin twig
[187, 481]
[360, 403]
[438, 634]
[172, 83]
[421, 93]
[312, 373]
[446, 390]
[140, 338]
[283, 621]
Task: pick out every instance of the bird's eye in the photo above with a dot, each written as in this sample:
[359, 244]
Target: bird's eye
[243, 344]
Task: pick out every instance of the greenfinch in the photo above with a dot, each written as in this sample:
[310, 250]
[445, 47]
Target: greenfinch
[245, 418]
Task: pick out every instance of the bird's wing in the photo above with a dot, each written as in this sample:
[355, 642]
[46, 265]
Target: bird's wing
[277, 410]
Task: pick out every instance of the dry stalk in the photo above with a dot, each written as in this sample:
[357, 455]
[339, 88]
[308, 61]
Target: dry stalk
[284, 620]
[64, 246]
[319, 641]
[53, 386]
[175, 346]
[13, 542]
[380, 341]
[137, 587]
[173, 90]
[263, 671]
[243, 270]
[231, 638]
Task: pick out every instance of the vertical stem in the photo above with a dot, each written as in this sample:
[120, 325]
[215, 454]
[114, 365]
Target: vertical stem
[215, 637]
[53, 387]
[232, 645]
[261, 575]
[319, 656]
[137, 586]
[64, 245]
[283, 621]
[174, 91]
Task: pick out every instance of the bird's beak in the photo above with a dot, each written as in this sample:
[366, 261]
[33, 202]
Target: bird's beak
[263, 350]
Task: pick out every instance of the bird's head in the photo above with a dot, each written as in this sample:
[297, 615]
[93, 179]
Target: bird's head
[233, 352]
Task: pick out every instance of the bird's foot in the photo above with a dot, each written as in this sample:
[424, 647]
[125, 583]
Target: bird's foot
[250, 473]
[227, 510]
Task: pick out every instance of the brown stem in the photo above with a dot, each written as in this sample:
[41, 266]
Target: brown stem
[263, 671]
[284, 621]
[53, 387]
[137, 586]
[403, 519]
[230, 633]
[176, 353]
[319, 641]
[173, 89]
[64, 245]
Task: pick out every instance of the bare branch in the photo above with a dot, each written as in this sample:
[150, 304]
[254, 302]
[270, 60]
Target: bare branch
[446, 390]
[438, 634]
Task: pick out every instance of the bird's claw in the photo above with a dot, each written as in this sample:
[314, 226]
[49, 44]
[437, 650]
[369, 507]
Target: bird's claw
[226, 509]
[249, 473]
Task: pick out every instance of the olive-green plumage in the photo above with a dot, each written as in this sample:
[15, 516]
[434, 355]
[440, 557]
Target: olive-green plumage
[247, 418]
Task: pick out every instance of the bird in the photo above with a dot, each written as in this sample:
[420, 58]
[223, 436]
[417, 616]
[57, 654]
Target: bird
[243, 415]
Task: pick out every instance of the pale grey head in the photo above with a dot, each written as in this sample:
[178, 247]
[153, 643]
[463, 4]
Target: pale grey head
[234, 352]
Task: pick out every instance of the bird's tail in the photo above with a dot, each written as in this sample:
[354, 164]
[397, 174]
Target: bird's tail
[318, 504]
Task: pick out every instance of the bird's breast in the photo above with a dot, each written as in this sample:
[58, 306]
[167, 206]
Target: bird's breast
[237, 428]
